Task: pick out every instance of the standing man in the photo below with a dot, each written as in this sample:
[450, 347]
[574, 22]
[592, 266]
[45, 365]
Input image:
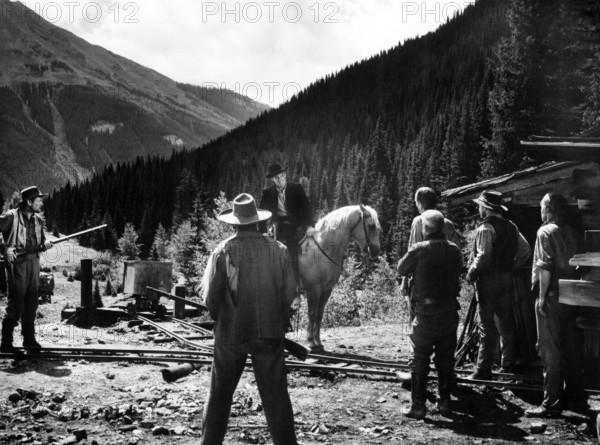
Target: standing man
[248, 287]
[499, 247]
[22, 228]
[559, 341]
[436, 264]
[292, 214]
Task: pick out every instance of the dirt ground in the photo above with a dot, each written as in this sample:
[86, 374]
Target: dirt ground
[83, 402]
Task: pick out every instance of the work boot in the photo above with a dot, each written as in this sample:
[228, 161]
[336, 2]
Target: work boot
[444, 392]
[481, 374]
[6, 345]
[29, 341]
[418, 396]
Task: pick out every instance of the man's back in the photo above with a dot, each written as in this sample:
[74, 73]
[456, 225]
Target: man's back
[250, 288]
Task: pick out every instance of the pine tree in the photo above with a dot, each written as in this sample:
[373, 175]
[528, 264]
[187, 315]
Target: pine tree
[160, 246]
[97, 298]
[108, 290]
[128, 245]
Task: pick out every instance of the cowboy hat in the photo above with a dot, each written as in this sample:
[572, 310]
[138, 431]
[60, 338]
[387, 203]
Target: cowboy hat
[244, 212]
[30, 193]
[274, 170]
[491, 199]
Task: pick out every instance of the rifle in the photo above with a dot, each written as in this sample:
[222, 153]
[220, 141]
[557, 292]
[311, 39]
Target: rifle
[34, 249]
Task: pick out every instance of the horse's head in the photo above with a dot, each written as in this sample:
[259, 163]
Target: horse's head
[366, 230]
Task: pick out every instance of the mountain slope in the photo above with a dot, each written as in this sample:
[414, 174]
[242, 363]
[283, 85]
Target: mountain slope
[77, 106]
[441, 110]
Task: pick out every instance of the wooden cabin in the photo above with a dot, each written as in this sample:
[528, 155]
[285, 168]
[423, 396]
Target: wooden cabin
[571, 168]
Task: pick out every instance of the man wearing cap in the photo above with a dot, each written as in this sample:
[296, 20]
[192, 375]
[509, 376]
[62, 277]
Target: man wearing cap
[499, 247]
[22, 228]
[292, 215]
[248, 288]
[436, 264]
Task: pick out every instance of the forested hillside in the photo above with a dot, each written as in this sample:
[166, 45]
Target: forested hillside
[444, 109]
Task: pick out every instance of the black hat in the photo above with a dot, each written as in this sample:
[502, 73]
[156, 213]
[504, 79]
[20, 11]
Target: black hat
[491, 199]
[31, 193]
[274, 170]
[244, 212]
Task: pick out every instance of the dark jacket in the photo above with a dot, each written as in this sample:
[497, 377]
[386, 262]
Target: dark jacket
[297, 205]
[436, 266]
[258, 306]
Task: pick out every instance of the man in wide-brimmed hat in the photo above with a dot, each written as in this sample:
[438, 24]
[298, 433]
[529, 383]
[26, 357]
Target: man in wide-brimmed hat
[22, 228]
[292, 215]
[499, 247]
[248, 287]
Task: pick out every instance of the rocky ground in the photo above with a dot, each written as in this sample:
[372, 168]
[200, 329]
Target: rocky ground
[83, 402]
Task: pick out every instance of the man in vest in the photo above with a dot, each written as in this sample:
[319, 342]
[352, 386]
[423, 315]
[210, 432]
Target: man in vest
[292, 215]
[22, 228]
[499, 247]
[435, 264]
[248, 288]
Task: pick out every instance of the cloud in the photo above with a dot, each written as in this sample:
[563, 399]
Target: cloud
[241, 44]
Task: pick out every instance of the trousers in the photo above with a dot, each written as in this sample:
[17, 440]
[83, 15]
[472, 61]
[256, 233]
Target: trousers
[495, 314]
[267, 357]
[23, 281]
[559, 343]
[434, 334]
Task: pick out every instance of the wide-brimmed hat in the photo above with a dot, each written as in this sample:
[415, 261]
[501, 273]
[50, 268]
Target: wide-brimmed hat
[244, 212]
[491, 199]
[274, 170]
[31, 193]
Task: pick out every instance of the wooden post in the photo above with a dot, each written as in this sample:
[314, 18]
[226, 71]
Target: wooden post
[86, 283]
[179, 308]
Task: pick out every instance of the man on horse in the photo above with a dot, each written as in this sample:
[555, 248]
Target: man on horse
[292, 215]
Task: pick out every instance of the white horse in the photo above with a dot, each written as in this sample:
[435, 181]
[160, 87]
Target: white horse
[321, 258]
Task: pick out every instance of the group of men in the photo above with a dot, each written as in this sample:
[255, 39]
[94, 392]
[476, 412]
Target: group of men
[250, 298]
[434, 262]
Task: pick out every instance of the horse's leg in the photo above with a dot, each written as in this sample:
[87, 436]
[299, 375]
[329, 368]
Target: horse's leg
[322, 302]
[312, 299]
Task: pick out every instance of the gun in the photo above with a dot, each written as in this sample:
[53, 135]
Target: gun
[20, 253]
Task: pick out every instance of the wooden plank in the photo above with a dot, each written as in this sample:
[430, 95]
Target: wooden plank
[579, 293]
[589, 259]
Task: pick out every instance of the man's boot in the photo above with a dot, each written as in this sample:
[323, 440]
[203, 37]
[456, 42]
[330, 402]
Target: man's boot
[445, 391]
[29, 341]
[418, 396]
[6, 345]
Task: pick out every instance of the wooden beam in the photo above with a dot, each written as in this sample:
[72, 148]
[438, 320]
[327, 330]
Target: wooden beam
[579, 293]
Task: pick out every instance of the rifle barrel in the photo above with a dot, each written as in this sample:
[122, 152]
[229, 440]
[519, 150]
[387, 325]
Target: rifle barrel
[176, 298]
[73, 235]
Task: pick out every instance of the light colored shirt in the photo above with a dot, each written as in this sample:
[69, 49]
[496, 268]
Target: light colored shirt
[416, 232]
[281, 211]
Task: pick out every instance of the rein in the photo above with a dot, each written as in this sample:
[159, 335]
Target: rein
[364, 224]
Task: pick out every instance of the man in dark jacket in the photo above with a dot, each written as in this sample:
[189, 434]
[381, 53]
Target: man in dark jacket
[435, 265]
[292, 215]
[499, 247]
[22, 228]
[248, 288]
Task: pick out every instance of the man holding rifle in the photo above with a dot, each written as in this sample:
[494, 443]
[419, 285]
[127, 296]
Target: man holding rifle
[22, 228]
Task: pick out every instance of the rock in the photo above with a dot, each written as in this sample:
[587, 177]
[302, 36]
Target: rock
[84, 412]
[65, 414]
[381, 400]
[15, 397]
[109, 376]
[127, 420]
[40, 412]
[32, 395]
[80, 434]
[70, 440]
[160, 431]
[178, 430]
[59, 398]
[538, 427]
[127, 428]
[147, 424]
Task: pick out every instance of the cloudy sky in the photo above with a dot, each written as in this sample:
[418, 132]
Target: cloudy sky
[267, 50]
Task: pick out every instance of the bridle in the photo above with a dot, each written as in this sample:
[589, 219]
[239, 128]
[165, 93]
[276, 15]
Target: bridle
[362, 219]
[364, 224]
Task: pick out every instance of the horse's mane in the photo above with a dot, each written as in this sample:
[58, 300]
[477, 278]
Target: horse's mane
[333, 221]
